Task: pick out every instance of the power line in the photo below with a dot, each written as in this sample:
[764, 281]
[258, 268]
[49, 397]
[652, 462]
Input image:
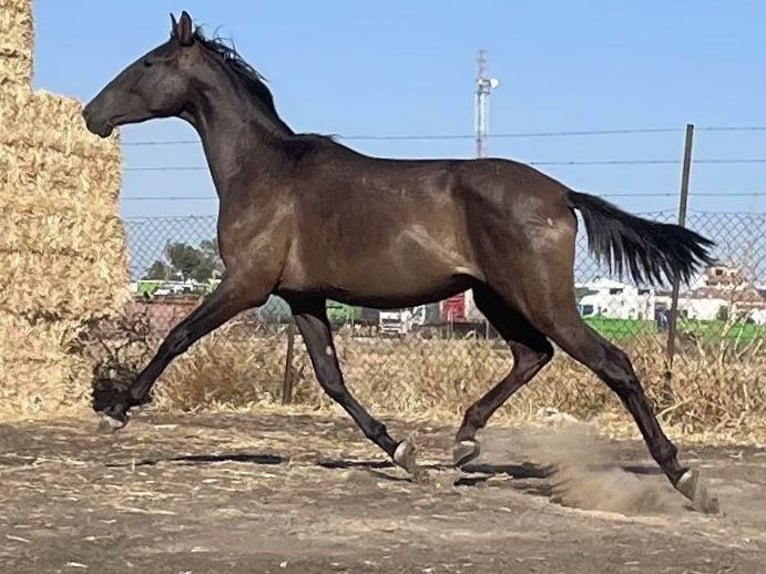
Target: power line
[675, 194]
[510, 135]
[170, 198]
[167, 168]
[751, 160]
[541, 162]
[439, 137]
[647, 161]
[732, 129]
[668, 194]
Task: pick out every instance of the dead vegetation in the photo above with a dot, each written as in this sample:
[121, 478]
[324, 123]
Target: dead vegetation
[715, 390]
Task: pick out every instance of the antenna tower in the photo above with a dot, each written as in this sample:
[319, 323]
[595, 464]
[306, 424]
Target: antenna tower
[484, 86]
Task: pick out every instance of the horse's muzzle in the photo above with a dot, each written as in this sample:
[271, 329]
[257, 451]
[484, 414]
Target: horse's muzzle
[101, 128]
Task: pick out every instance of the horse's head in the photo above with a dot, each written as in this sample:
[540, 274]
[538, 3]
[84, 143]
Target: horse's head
[156, 85]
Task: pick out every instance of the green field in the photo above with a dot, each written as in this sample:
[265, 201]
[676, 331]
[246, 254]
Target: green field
[617, 329]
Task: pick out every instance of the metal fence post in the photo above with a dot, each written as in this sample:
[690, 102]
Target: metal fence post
[683, 201]
[287, 383]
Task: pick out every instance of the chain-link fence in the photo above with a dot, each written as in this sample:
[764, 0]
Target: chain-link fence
[174, 263]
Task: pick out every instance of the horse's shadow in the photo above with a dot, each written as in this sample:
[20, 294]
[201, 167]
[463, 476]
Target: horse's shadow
[203, 459]
[528, 477]
[382, 469]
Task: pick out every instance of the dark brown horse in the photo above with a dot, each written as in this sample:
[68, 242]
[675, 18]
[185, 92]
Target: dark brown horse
[308, 219]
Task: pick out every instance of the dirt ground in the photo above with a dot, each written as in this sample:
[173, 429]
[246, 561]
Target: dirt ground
[306, 494]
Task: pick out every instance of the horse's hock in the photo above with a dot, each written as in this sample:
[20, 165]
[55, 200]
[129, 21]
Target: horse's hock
[63, 252]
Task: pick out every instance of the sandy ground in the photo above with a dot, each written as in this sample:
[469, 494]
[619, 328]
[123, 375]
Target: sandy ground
[276, 493]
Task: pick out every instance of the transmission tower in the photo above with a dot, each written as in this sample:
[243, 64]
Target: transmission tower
[484, 86]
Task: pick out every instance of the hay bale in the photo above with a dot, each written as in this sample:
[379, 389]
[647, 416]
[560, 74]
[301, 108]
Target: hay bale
[16, 44]
[63, 247]
[39, 370]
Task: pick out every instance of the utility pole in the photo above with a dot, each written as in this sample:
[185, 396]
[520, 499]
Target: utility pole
[484, 86]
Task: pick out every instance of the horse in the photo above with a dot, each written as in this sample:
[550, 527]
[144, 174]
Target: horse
[309, 219]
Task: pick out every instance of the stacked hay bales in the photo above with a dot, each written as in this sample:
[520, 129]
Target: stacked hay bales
[62, 246]
[16, 43]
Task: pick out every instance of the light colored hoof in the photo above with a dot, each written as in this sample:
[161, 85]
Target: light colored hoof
[404, 456]
[693, 488]
[109, 425]
[465, 451]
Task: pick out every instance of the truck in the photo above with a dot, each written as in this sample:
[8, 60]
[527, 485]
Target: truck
[400, 322]
[461, 316]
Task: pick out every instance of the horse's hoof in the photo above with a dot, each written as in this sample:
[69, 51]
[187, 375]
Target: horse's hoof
[465, 451]
[404, 456]
[110, 425]
[693, 488]
[113, 405]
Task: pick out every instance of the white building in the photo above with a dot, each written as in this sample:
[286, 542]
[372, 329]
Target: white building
[693, 305]
[716, 292]
[616, 300]
[720, 291]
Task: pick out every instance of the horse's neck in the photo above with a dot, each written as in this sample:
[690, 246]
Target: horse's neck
[237, 135]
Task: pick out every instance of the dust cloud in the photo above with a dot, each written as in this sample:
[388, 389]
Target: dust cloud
[587, 472]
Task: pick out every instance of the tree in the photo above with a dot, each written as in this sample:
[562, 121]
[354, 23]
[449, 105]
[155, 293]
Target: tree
[185, 261]
[210, 249]
[158, 270]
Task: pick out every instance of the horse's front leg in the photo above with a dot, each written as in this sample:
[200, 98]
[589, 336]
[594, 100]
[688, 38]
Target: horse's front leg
[231, 297]
[311, 318]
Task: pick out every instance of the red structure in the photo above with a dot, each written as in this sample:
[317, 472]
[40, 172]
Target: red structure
[453, 309]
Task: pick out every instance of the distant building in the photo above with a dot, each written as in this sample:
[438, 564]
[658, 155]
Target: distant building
[616, 300]
[719, 292]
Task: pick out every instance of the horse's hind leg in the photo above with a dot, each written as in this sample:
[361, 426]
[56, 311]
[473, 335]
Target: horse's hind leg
[311, 318]
[531, 352]
[567, 329]
[538, 281]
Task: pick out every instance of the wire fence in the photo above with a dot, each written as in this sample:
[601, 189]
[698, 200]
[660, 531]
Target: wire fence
[174, 265]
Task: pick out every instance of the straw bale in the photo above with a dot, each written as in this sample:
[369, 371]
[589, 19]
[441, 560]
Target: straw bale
[16, 44]
[24, 338]
[70, 285]
[45, 120]
[58, 234]
[37, 181]
[38, 370]
[63, 246]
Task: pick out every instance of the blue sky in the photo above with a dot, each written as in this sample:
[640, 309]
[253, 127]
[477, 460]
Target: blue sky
[407, 68]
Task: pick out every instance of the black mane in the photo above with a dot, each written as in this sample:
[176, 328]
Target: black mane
[254, 82]
[249, 77]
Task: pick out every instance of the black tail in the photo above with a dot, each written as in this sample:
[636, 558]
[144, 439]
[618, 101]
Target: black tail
[649, 249]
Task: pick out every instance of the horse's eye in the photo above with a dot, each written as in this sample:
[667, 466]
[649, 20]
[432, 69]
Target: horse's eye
[147, 64]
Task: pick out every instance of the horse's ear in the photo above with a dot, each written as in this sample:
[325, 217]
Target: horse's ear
[185, 29]
[173, 25]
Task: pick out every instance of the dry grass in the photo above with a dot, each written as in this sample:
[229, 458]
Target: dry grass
[710, 396]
